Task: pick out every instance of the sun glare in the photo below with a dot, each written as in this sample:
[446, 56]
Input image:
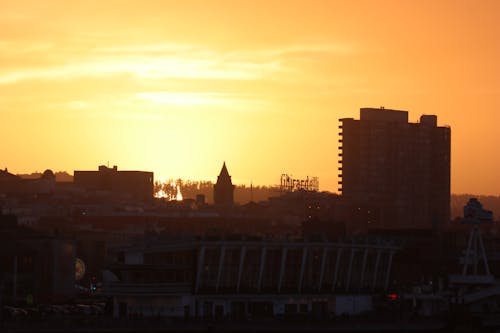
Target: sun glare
[169, 191]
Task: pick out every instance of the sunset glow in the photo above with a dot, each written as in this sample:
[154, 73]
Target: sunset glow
[178, 87]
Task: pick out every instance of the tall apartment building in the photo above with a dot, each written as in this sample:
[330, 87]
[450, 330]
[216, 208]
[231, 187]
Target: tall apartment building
[400, 167]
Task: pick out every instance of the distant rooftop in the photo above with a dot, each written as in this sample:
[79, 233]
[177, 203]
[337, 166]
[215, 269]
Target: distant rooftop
[383, 114]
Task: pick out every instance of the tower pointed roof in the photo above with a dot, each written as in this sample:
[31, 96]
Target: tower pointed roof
[224, 188]
[223, 171]
[224, 177]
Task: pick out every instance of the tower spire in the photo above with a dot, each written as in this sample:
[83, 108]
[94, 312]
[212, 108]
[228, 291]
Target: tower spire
[223, 172]
[224, 188]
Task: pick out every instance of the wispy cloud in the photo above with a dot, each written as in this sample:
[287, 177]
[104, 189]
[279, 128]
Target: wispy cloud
[155, 105]
[339, 49]
[188, 99]
[155, 78]
[157, 61]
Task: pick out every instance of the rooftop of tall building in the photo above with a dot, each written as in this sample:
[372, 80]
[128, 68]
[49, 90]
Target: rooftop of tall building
[383, 114]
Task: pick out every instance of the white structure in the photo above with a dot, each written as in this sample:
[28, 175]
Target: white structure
[248, 278]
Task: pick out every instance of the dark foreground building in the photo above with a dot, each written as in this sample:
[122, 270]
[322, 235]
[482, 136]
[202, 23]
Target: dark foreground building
[401, 167]
[35, 267]
[247, 278]
[137, 185]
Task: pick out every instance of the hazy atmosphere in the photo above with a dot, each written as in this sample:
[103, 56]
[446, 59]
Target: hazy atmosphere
[178, 87]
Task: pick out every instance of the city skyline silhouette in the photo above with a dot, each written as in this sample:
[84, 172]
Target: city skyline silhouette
[249, 166]
[175, 87]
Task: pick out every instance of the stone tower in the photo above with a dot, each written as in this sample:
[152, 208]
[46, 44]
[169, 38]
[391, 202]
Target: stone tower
[224, 188]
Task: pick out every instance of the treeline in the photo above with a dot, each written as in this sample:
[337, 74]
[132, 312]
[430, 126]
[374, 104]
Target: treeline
[190, 189]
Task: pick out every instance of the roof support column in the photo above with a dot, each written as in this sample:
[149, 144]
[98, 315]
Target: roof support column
[221, 267]
[199, 271]
[323, 264]
[337, 266]
[240, 269]
[282, 267]
[375, 271]
[349, 270]
[262, 265]
[302, 268]
[386, 286]
[363, 268]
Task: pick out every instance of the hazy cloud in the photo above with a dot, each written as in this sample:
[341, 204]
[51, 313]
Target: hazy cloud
[157, 61]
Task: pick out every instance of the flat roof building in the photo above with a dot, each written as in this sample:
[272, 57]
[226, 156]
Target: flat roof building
[137, 185]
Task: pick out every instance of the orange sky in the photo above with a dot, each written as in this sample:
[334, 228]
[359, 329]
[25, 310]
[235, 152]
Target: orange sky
[177, 87]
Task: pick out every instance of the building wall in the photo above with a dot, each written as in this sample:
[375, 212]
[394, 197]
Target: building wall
[132, 184]
[241, 306]
[42, 269]
[63, 272]
[353, 304]
[224, 194]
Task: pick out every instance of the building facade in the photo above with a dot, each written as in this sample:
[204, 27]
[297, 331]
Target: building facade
[401, 167]
[242, 279]
[137, 185]
[35, 267]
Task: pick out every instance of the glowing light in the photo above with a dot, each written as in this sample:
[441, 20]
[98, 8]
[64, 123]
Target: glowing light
[393, 297]
[79, 269]
[169, 191]
[179, 194]
[161, 194]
